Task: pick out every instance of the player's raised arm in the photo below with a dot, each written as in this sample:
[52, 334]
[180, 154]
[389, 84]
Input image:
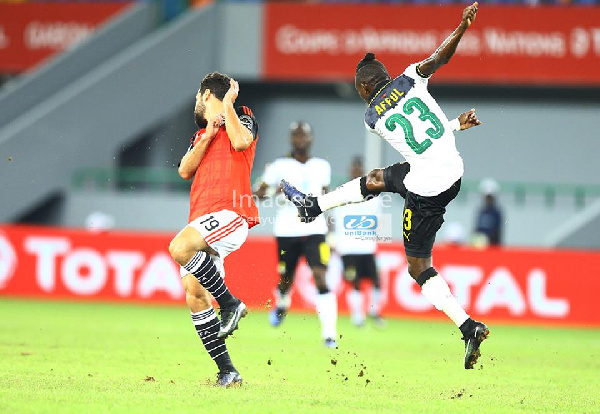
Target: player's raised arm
[192, 159]
[443, 53]
[240, 136]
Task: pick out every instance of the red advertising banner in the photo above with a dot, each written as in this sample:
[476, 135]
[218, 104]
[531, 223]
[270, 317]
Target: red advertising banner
[32, 32]
[533, 286]
[505, 45]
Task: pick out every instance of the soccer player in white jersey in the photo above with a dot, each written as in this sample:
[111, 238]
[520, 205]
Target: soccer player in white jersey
[296, 239]
[358, 256]
[402, 112]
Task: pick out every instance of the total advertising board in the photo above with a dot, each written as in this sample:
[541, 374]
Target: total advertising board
[516, 285]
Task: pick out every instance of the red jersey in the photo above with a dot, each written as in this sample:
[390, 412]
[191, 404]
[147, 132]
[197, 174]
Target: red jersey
[222, 180]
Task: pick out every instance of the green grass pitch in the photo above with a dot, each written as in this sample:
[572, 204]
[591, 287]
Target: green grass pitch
[58, 357]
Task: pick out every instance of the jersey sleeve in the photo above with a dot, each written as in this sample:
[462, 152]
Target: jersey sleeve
[326, 174]
[455, 124]
[247, 119]
[195, 138]
[271, 176]
[193, 141]
[413, 72]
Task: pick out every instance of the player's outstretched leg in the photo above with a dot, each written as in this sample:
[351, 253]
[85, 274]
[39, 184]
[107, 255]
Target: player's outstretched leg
[437, 291]
[308, 208]
[355, 191]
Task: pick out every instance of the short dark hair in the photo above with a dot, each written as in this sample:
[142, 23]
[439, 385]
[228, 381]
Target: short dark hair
[217, 83]
[371, 71]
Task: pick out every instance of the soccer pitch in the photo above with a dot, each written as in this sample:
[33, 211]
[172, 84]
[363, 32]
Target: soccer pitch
[81, 357]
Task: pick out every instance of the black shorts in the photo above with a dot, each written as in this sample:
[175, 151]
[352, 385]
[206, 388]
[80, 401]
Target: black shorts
[312, 247]
[359, 266]
[393, 177]
[423, 217]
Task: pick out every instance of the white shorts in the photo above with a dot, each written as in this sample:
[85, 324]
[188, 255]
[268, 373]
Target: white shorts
[225, 231]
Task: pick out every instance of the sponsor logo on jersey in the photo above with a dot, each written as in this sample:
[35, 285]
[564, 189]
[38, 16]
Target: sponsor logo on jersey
[246, 121]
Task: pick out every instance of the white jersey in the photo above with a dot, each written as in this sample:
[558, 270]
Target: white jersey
[346, 244]
[406, 115]
[310, 178]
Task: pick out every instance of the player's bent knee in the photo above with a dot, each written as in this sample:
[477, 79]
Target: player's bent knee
[417, 265]
[173, 248]
[179, 251]
[375, 177]
[375, 180]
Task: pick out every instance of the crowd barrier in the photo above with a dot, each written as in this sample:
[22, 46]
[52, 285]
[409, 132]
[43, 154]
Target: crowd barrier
[516, 285]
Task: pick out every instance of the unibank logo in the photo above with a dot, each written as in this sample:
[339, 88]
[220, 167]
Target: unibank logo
[362, 222]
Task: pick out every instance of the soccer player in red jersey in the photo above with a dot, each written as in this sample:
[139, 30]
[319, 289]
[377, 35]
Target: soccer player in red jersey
[219, 160]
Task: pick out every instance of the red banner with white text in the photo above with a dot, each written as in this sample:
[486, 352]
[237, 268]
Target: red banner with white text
[533, 286]
[32, 32]
[505, 44]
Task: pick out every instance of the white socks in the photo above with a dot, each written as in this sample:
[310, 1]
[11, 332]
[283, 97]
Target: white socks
[344, 194]
[355, 301]
[436, 290]
[375, 305]
[326, 304]
[283, 301]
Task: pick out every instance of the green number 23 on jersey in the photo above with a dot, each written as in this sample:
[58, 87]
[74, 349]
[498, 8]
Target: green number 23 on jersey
[436, 131]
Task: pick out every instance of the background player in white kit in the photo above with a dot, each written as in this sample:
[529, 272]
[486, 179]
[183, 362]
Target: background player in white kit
[358, 256]
[296, 239]
[402, 111]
